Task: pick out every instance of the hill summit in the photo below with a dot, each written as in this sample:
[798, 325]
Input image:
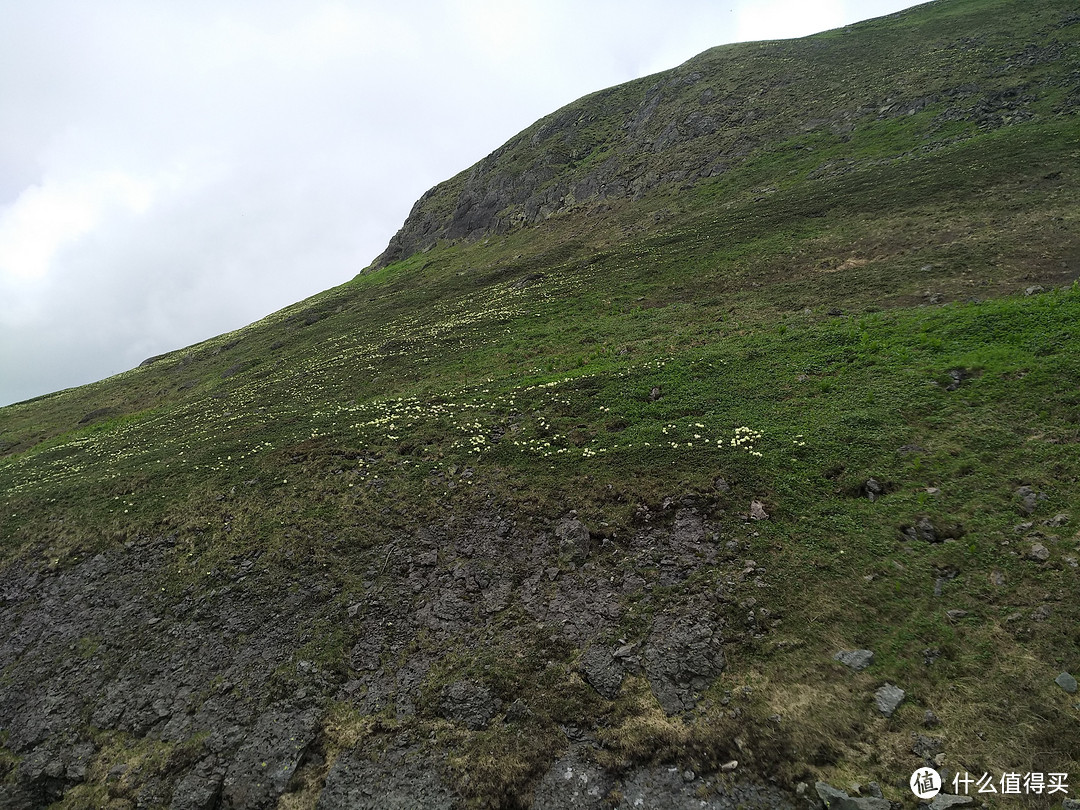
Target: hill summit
[714, 442]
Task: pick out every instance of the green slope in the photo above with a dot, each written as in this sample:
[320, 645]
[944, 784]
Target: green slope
[878, 282]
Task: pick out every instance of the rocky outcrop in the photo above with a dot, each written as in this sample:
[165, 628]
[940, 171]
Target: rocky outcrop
[702, 120]
[213, 691]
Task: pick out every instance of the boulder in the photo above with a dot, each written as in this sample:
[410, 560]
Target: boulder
[857, 660]
[943, 801]
[836, 799]
[888, 698]
[602, 672]
[682, 656]
[574, 537]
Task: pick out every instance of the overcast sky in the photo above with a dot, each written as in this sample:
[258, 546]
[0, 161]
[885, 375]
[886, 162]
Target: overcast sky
[173, 170]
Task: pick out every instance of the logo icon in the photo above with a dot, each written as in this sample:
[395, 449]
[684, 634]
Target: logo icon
[925, 783]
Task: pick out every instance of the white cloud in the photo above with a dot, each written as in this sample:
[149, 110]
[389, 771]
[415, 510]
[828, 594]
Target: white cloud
[786, 19]
[48, 216]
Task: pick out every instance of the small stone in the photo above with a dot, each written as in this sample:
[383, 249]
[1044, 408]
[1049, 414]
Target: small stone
[757, 511]
[958, 375]
[1066, 682]
[1039, 552]
[955, 615]
[836, 799]
[888, 698]
[1041, 613]
[930, 720]
[927, 747]
[930, 655]
[997, 579]
[1070, 804]
[574, 536]
[925, 530]
[1057, 520]
[909, 449]
[1034, 289]
[728, 767]
[943, 801]
[873, 489]
[856, 660]
[1029, 499]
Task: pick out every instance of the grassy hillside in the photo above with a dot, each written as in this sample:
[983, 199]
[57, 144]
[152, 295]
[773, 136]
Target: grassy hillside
[881, 303]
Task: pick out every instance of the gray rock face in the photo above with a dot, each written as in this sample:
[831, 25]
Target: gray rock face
[266, 760]
[401, 780]
[100, 641]
[667, 787]
[1066, 682]
[574, 537]
[469, 704]
[574, 784]
[216, 669]
[602, 671]
[199, 788]
[857, 660]
[888, 699]
[21, 796]
[683, 655]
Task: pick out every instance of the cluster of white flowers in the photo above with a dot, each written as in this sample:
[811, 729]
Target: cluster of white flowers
[744, 439]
